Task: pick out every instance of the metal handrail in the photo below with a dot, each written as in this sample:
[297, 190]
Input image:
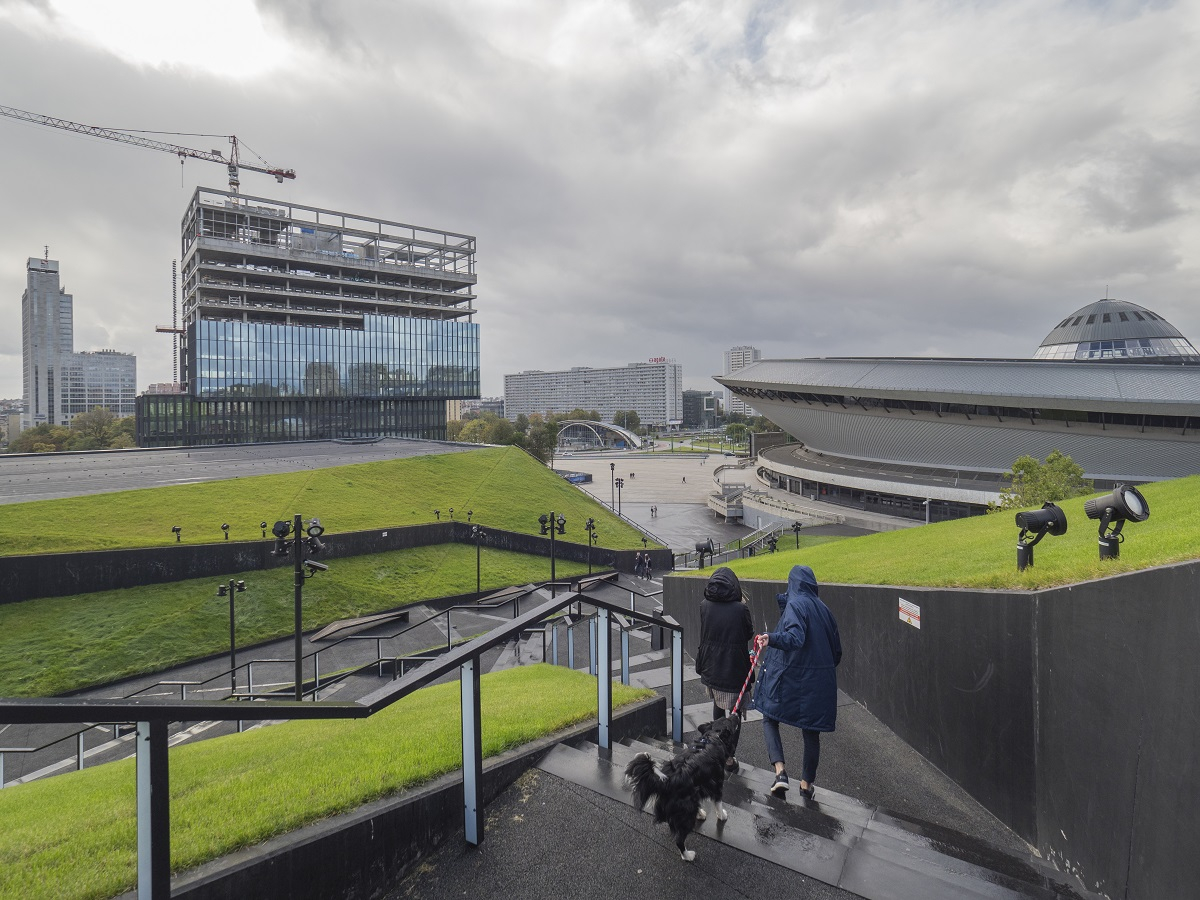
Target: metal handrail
[153, 716]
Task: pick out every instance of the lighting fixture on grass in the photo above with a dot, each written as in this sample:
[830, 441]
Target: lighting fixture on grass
[1037, 523]
[1125, 503]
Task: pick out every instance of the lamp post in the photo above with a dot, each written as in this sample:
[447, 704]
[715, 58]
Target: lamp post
[612, 499]
[620, 484]
[477, 534]
[233, 587]
[927, 504]
[590, 527]
[552, 525]
[796, 526]
[302, 539]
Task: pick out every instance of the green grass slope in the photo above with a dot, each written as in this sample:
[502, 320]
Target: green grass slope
[981, 552]
[75, 835]
[59, 644]
[504, 486]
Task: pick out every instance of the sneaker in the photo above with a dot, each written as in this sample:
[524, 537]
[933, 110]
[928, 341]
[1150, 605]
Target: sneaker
[779, 788]
[732, 767]
[807, 793]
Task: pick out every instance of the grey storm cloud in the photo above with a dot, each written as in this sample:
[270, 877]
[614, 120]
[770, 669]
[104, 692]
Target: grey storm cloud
[655, 179]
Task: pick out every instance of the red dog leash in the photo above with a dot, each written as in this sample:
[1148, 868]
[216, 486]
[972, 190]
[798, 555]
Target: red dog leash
[745, 684]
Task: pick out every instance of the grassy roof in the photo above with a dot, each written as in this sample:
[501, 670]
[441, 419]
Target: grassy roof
[980, 552]
[504, 486]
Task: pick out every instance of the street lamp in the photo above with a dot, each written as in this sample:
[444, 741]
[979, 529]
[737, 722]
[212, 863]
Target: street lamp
[612, 501]
[477, 535]
[590, 527]
[620, 484]
[301, 568]
[233, 587]
[552, 525]
[796, 526]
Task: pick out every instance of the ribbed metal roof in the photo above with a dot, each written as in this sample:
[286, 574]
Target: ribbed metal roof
[1109, 320]
[1114, 387]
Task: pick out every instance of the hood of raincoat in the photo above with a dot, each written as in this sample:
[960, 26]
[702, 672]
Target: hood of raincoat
[723, 587]
[801, 581]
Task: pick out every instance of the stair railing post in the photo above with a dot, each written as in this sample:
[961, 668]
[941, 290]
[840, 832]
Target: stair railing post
[592, 645]
[625, 656]
[554, 641]
[603, 631]
[472, 752]
[571, 646]
[153, 812]
[676, 685]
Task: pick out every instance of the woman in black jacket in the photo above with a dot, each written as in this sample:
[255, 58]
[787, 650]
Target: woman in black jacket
[724, 655]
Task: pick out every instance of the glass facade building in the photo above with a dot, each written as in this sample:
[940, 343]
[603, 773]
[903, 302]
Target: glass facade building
[307, 324]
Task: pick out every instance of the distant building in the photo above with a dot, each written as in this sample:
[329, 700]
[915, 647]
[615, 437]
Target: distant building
[1113, 385]
[308, 324]
[701, 409]
[738, 358]
[654, 390]
[59, 383]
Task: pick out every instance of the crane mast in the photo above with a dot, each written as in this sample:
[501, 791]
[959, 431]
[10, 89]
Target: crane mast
[232, 162]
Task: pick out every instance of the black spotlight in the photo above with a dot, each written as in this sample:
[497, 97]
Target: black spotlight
[225, 528]
[176, 530]
[1038, 523]
[544, 521]
[1124, 503]
[281, 530]
[705, 547]
[263, 526]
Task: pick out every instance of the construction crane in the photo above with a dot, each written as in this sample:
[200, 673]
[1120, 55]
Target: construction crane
[232, 162]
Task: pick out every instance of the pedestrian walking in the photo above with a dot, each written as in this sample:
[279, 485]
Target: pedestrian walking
[637, 564]
[724, 653]
[798, 680]
[647, 566]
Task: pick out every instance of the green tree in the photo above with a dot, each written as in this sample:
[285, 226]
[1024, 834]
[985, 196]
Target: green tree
[627, 418]
[586, 415]
[522, 424]
[1033, 482]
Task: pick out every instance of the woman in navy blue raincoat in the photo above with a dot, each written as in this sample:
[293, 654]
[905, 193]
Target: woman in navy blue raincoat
[797, 684]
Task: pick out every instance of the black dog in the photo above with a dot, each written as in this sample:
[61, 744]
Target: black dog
[695, 775]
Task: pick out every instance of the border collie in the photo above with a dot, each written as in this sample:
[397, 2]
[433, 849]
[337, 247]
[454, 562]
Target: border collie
[681, 784]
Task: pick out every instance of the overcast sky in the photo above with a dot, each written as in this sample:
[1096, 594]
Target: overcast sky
[644, 179]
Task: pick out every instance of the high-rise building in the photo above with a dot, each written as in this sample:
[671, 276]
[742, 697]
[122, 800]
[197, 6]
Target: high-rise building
[738, 358]
[701, 409]
[59, 383]
[654, 390]
[303, 323]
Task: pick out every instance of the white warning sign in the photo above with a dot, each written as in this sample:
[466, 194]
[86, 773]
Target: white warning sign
[910, 613]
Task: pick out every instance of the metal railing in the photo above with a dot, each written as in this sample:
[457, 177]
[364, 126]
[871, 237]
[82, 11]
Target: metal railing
[152, 717]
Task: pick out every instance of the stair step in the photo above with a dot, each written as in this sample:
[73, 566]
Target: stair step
[836, 839]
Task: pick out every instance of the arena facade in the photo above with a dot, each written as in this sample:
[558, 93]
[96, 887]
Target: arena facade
[1114, 386]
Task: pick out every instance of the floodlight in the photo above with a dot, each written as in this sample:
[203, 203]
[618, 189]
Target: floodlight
[263, 526]
[1124, 503]
[562, 524]
[544, 520]
[240, 586]
[282, 528]
[314, 528]
[1038, 523]
[225, 528]
[315, 544]
[176, 530]
[313, 566]
[705, 547]
[222, 590]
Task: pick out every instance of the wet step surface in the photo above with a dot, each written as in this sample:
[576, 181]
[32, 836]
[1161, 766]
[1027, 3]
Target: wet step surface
[834, 838]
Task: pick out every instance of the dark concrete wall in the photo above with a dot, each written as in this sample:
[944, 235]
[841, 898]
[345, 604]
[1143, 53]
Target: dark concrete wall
[60, 574]
[1068, 713]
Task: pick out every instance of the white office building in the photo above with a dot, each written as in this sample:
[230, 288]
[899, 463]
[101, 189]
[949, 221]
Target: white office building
[738, 358]
[59, 383]
[654, 390]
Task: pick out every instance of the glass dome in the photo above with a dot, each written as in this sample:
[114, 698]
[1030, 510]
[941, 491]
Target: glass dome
[1116, 330]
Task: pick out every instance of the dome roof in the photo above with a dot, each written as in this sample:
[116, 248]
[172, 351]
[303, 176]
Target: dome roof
[1115, 330]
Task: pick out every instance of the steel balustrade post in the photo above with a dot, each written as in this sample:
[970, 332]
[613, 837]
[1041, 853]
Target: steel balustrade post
[379, 656]
[554, 641]
[571, 646]
[316, 675]
[603, 632]
[676, 685]
[153, 812]
[250, 679]
[472, 752]
[624, 656]
[79, 754]
[1, 768]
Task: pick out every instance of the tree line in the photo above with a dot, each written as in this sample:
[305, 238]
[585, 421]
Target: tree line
[97, 429]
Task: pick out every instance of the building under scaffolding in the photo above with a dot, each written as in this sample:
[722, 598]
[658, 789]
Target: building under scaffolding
[306, 324]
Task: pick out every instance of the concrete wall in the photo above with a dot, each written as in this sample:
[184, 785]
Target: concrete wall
[1068, 713]
[61, 574]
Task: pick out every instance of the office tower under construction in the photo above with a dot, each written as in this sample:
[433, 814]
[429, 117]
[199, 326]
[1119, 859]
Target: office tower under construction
[306, 324]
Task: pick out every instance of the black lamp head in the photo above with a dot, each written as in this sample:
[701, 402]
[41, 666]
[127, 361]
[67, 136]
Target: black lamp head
[177, 531]
[281, 529]
[562, 524]
[1123, 503]
[544, 521]
[1047, 520]
[314, 529]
